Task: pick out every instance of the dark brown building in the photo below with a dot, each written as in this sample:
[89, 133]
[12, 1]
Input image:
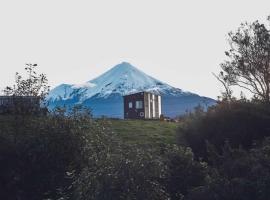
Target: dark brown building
[142, 105]
[19, 104]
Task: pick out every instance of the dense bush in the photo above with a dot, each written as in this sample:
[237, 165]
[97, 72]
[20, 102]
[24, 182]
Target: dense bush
[183, 172]
[71, 156]
[239, 122]
[132, 172]
[122, 173]
[232, 138]
[238, 175]
[38, 155]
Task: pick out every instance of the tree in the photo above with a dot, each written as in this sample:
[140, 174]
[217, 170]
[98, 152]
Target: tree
[34, 85]
[248, 64]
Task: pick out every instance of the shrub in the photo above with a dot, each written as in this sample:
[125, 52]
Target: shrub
[39, 154]
[238, 175]
[238, 122]
[183, 172]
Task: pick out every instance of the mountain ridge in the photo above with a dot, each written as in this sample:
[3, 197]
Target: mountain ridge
[118, 81]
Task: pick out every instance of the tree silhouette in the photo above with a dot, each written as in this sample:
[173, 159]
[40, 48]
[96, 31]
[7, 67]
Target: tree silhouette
[33, 85]
[248, 64]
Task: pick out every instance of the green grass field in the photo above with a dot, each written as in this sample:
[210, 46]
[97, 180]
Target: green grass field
[143, 132]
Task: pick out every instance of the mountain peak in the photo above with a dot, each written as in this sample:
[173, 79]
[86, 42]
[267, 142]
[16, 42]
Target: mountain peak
[122, 79]
[124, 66]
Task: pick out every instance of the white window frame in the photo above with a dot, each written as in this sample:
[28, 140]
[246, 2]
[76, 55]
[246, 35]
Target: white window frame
[139, 104]
[130, 105]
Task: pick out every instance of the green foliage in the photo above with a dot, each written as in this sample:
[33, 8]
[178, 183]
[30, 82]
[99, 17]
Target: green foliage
[122, 173]
[39, 155]
[233, 136]
[183, 172]
[117, 170]
[231, 139]
[239, 122]
[248, 61]
[69, 155]
[130, 172]
[238, 175]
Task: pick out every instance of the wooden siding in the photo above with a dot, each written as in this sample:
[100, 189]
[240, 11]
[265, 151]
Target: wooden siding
[134, 113]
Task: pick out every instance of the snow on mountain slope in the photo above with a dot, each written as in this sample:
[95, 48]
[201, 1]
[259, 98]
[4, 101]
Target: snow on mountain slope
[104, 93]
[121, 79]
[62, 91]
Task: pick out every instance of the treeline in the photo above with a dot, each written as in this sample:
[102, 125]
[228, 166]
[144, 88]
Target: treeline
[71, 156]
[233, 139]
[222, 154]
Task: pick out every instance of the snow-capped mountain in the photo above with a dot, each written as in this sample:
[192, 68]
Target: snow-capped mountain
[104, 93]
[121, 79]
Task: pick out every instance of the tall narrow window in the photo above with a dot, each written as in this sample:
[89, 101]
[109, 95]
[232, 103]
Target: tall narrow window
[139, 104]
[130, 105]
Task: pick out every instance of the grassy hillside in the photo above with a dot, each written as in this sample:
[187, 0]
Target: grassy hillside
[144, 131]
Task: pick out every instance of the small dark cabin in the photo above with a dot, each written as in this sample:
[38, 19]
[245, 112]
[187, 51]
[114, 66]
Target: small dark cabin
[142, 105]
[19, 104]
